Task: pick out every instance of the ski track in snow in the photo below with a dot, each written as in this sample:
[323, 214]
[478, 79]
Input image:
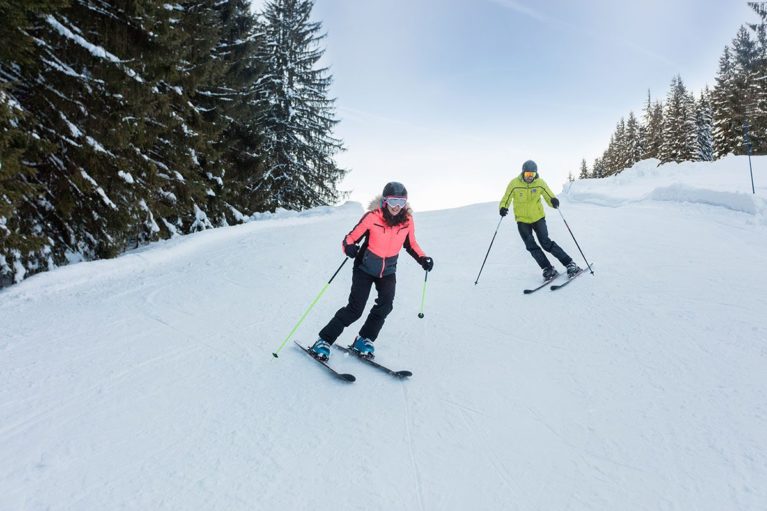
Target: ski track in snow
[147, 381]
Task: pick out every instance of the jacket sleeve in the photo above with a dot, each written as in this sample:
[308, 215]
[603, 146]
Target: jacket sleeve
[508, 196]
[358, 231]
[411, 245]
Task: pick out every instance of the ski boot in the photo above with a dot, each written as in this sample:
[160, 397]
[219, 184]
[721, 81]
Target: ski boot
[364, 347]
[320, 350]
[572, 269]
[549, 273]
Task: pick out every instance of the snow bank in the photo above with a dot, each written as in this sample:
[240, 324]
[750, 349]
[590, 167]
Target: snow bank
[168, 251]
[723, 183]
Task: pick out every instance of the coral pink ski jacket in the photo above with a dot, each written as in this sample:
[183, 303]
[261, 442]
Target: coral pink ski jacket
[380, 250]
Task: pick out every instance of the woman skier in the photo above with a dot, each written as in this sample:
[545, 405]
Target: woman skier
[383, 230]
[526, 191]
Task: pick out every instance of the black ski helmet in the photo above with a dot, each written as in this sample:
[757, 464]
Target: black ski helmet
[394, 189]
[529, 166]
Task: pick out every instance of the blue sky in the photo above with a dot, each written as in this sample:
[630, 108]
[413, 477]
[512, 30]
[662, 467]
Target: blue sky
[450, 97]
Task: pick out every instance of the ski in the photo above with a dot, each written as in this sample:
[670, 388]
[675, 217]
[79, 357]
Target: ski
[345, 377]
[545, 282]
[396, 374]
[570, 279]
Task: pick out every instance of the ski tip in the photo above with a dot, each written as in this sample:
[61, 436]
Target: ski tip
[348, 377]
[275, 355]
[403, 374]
[527, 291]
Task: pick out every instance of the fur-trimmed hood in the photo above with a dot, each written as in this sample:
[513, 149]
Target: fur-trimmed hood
[377, 203]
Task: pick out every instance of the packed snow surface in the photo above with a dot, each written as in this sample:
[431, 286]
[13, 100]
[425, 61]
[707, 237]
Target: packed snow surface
[147, 382]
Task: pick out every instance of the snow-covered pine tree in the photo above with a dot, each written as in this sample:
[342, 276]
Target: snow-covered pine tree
[24, 245]
[758, 84]
[597, 170]
[189, 148]
[745, 61]
[735, 95]
[298, 167]
[614, 158]
[653, 128]
[65, 88]
[621, 147]
[122, 93]
[634, 141]
[609, 158]
[240, 145]
[680, 135]
[704, 122]
[725, 105]
[584, 171]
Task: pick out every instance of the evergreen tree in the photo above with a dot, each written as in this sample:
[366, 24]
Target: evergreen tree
[240, 145]
[634, 141]
[298, 167]
[615, 157]
[584, 172]
[653, 127]
[122, 95]
[757, 93]
[725, 105]
[24, 245]
[609, 159]
[680, 134]
[704, 124]
[620, 151]
[746, 88]
[597, 170]
[736, 95]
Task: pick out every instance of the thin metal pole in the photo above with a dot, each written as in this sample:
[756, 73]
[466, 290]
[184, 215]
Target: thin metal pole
[488, 250]
[275, 354]
[423, 294]
[576, 241]
[747, 141]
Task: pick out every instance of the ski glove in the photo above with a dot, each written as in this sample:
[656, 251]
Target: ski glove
[427, 263]
[504, 211]
[351, 250]
[554, 202]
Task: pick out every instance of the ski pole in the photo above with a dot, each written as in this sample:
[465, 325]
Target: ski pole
[488, 251]
[423, 295]
[275, 354]
[576, 241]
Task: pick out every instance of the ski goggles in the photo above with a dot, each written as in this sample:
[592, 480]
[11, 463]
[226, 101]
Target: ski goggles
[529, 175]
[396, 202]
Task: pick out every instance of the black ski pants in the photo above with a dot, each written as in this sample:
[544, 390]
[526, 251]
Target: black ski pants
[345, 316]
[542, 232]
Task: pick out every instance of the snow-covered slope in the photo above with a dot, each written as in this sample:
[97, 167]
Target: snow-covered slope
[147, 382]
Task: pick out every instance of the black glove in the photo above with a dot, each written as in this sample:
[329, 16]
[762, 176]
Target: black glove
[427, 263]
[351, 250]
[554, 202]
[504, 211]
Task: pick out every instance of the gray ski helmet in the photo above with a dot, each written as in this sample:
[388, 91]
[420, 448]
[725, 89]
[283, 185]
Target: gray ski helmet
[394, 189]
[529, 166]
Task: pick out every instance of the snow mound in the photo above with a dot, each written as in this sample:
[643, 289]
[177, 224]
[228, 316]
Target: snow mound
[724, 183]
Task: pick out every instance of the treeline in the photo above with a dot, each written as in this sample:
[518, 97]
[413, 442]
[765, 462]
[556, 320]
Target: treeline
[730, 119]
[124, 122]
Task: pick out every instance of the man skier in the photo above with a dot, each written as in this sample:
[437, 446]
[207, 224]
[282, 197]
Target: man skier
[384, 230]
[526, 191]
